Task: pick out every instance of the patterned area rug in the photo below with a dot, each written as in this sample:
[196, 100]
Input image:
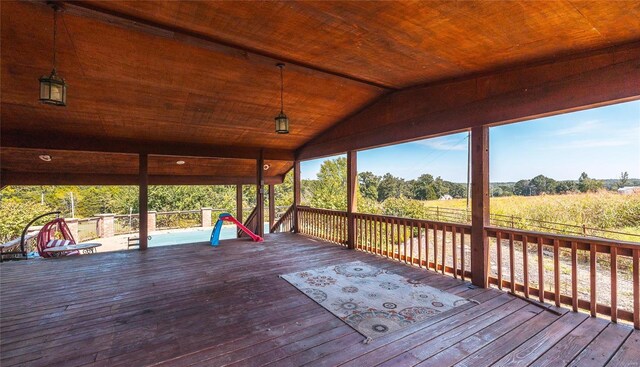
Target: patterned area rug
[372, 300]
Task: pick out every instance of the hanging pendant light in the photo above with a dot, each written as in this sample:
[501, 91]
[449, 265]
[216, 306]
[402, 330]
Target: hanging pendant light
[53, 89]
[282, 121]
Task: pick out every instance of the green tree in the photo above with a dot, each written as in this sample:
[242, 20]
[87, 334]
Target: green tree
[542, 185]
[329, 190]
[564, 187]
[522, 188]
[624, 178]
[369, 185]
[392, 187]
[587, 184]
[423, 188]
[15, 216]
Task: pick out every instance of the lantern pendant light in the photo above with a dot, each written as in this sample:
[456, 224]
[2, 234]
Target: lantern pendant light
[53, 89]
[282, 121]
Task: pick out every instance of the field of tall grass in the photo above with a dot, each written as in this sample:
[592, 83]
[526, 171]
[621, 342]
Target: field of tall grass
[601, 210]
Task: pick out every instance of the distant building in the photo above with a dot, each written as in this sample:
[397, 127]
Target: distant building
[446, 197]
[627, 190]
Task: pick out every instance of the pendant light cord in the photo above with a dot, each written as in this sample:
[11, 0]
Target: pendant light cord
[55, 28]
[281, 91]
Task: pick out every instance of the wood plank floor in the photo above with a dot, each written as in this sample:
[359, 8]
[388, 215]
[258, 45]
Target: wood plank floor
[193, 305]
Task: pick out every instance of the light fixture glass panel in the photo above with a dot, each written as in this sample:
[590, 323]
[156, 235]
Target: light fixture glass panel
[56, 92]
[44, 89]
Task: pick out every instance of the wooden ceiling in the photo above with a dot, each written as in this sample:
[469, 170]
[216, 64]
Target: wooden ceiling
[163, 75]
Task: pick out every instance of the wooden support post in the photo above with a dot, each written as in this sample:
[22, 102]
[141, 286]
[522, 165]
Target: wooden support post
[479, 205]
[352, 203]
[260, 196]
[143, 200]
[296, 196]
[239, 204]
[272, 207]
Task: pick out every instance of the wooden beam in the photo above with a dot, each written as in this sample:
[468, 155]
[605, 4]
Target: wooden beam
[260, 196]
[296, 195]
[272, 206]
[239, 205]
[143, 201]
[479, 205]
[352, 197]
[53, 141]
[170, 31]
[579, 82]
[42, 178]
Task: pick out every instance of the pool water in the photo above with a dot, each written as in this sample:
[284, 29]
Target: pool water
[196, 235]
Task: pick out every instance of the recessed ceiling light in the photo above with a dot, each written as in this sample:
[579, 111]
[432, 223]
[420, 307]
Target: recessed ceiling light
[266, 166]
[180, 163]
[45, 157]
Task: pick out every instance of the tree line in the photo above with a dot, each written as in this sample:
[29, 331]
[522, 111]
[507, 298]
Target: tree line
[542, 185]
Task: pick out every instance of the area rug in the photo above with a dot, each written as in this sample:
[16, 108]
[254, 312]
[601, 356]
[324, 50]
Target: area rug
[373, 301]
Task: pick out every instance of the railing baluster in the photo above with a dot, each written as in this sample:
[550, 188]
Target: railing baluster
[462, 249]
[556, 270]
[435, 247]
[374, 237]
[499, 259]
[378, 230]
[592, 275]
[574, 275]
[540, 270]
[420, 244]
[636, 288]
[404, 246]
[399, 239]
[525, 265]
[411, 226]
[454, 252]
[369, 245]
[392, 232]
[614, 284]
[371, 235]
[444, 248]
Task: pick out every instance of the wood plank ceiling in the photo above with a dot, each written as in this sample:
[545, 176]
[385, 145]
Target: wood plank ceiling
[164, 74]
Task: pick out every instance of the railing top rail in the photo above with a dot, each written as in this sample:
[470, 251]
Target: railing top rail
[332, 211]
[126, 215]
[180, 212]
[425, 221]
[81, 220]
[284, 217]
[568, 238]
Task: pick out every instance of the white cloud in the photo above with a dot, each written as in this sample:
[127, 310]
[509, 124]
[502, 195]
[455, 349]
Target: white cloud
[594, 143]
[583, 127]
[445, 143]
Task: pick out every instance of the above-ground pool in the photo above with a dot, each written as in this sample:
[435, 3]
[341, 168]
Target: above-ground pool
[195, 235]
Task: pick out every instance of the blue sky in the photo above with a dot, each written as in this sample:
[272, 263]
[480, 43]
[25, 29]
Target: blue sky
[602, 142]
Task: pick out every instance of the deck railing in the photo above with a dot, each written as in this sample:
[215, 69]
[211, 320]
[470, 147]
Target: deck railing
[285, 222]
[440, 246]
[570, 270]
[251, 222]
[329, 225]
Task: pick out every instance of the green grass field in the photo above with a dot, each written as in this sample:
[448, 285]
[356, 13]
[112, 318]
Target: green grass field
[602, 210]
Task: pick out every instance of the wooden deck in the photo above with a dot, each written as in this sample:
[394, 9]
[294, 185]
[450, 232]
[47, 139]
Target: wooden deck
[195, 305]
